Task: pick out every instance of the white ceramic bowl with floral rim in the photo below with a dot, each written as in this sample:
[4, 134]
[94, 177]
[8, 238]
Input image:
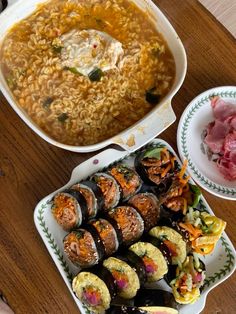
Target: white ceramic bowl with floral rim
[190, 143]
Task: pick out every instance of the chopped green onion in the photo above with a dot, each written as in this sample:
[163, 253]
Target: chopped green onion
[11, 82]
[95, 75]
[57, 49]
[73, 70]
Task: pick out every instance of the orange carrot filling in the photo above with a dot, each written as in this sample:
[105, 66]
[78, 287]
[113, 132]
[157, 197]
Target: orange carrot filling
[62, 202]
[150, 266]
[92, 296]
[128, 185]
[194, 231]
[171, 247]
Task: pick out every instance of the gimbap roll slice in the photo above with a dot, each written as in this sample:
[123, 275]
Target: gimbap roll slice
[141, 310]
[128, 180]
[136, 262]
[173, 241]
[123, 309]
[189, 278]
[93, 196]
[155, 263]
[109, 187]
[69, 208]
[129, 222]
[95, 290]
[148, 207]
[107, 234]
[126, 278]
[155, 298]
[154, 165]
[82, 249]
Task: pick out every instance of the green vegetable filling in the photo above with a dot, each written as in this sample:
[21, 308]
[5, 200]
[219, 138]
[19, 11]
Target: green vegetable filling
[153, 153]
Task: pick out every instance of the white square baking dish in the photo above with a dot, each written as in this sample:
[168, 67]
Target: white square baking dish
[156, 121]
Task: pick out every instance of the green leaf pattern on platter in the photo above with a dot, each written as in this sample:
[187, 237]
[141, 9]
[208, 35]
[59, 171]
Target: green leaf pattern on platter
[51, 241]
[229, 264]
[201, 178]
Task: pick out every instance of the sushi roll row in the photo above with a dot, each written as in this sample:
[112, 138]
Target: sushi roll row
[100, 238]
[142, 262]
[85, 200]
[122, 225]
[121, 184]
[148, 301]
[76, 205]
[98, 289]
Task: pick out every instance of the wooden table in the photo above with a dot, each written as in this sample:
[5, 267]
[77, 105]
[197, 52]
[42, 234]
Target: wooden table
[31, 168]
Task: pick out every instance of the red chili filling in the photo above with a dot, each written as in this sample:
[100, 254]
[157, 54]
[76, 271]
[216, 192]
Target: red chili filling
[121, 279]
[150, 266]
[92, 296]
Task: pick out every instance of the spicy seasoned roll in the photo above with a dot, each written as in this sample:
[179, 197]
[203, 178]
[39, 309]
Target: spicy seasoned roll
[95, 290]
[82, 249]
[109, 187]
[107, 234]
[126, 278]
[173, 241]
[128, 180]
[129, 222]
[154, 261]
[69, 208]
[148, 207]
[154, 165]
[93, 196]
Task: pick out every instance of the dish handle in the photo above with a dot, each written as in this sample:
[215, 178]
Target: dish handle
[147, 129]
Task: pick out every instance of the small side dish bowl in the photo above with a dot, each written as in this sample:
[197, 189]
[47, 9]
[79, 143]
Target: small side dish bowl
[193, 122]
[156, 121]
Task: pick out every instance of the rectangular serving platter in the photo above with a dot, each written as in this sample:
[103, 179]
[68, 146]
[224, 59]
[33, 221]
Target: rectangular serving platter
[219, 265]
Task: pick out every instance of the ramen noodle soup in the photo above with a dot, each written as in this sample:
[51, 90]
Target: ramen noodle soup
[83, 70]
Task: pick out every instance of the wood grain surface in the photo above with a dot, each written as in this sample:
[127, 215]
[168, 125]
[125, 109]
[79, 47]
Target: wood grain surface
[30, 169]
[224, 11]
